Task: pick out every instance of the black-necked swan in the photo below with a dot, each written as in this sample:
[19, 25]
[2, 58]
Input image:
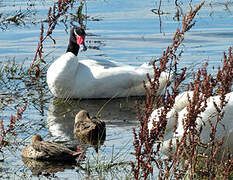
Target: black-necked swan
[224, 128]
[69, 77]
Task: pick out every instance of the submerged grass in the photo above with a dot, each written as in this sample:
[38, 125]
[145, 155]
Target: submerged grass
[17, 85]
[103, 166]
[19, 91]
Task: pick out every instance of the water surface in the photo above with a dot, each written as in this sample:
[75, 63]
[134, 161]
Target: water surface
[123, 31]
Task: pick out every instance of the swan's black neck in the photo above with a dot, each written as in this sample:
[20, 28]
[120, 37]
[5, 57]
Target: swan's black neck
[73, 47]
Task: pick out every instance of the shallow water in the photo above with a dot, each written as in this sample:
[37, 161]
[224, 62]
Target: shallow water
[123, 31]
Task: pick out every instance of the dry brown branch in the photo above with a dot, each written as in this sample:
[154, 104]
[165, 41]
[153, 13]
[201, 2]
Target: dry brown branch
[190, 148]
[12, 125]
[54, 13]
[143, 140]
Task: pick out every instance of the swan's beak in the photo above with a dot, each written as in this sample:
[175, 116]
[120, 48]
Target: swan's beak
[84, 47]
[81, 42]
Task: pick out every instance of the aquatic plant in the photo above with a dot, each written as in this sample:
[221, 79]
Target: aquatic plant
[58, 10]
[203, 163]
[99, 166]
[18, 91]
[32, 91]
[54, 14]
[11, 126]
[28, 86]
[17, 17]
[143, 140]
[185, 159]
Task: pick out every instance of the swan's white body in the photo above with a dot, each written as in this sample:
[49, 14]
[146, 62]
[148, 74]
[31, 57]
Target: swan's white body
[68, 77]
[224, 128]
[181, 102]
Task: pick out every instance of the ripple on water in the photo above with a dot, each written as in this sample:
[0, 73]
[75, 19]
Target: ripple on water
[123, 31]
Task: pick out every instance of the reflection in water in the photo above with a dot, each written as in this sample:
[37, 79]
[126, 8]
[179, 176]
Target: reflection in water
[117, 113]
[139, 40]
[38, 167]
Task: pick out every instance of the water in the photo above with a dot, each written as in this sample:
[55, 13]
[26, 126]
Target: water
[123, 31]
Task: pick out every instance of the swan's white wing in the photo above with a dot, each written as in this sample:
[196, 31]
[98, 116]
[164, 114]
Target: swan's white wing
[105, 64]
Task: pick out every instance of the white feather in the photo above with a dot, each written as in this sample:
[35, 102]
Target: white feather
[69, 78]
[224, 128]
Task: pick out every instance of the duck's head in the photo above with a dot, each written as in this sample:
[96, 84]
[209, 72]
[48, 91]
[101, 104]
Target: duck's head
[36, 138]
[77, 39]
[82, 116]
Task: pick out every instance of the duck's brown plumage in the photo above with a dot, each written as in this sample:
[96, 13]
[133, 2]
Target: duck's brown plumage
[89, 130]
[43, 150]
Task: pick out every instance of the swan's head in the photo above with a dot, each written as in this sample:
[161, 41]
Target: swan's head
[82, 116]
[80, 35]
[77, 39]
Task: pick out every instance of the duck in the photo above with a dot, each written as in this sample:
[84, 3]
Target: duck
[68, 77]
[61, 114]
[48, 151]
[89, 130]
[224, 128]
